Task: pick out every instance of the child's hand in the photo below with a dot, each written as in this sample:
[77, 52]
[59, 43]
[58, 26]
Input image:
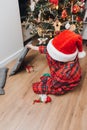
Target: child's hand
[30, 46]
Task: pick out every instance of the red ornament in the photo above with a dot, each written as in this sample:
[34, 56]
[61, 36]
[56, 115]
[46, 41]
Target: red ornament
[64, 14]
[76, 9]
[78, 19]
[54, 2]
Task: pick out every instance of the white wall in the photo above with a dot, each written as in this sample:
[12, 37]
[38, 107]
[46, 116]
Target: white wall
[11, 41]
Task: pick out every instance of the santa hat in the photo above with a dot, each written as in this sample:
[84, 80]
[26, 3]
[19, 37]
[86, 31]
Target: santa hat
[66, 46]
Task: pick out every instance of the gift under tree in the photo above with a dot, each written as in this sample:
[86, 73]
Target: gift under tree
[62, 53]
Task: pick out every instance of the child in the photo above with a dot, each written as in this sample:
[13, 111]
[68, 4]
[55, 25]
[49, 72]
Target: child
[62, 53]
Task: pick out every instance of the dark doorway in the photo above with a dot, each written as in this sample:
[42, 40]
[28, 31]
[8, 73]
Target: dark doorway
[23, 9]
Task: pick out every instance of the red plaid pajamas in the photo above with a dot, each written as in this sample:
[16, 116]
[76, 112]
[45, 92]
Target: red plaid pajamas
[64, 76]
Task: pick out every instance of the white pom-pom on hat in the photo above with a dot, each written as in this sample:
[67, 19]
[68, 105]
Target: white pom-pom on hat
[82, 54]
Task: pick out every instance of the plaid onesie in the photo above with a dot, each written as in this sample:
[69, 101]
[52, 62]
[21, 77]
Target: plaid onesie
[64, 76]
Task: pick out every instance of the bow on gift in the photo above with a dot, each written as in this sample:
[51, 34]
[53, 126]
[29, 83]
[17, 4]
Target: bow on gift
[29, 68]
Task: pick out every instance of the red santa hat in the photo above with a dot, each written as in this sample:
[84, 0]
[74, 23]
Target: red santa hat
[66, 46]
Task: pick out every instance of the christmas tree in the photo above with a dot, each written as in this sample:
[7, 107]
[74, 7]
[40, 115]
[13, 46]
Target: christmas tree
[72, 12]
[49, 17]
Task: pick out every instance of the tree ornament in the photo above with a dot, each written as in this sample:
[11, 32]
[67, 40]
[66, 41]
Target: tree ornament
[32, 5]
[67, 26]
[57, 7]
[76, 9]
[57, 25]
[72, 27]
[50, 34]
[64, 14]
[40, 31]
[39, 16]
[54, 2]
[82, 6]
[53, 7]
[42, 40]
[78, 19]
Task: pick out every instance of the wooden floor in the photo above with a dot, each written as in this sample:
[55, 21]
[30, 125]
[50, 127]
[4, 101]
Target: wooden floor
[17, 111]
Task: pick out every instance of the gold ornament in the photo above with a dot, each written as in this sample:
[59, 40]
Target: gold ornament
[72, 27]
[40, 31]
[57, 7]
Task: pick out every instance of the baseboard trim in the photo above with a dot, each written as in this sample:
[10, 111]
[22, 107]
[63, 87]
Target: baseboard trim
[10, 58]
